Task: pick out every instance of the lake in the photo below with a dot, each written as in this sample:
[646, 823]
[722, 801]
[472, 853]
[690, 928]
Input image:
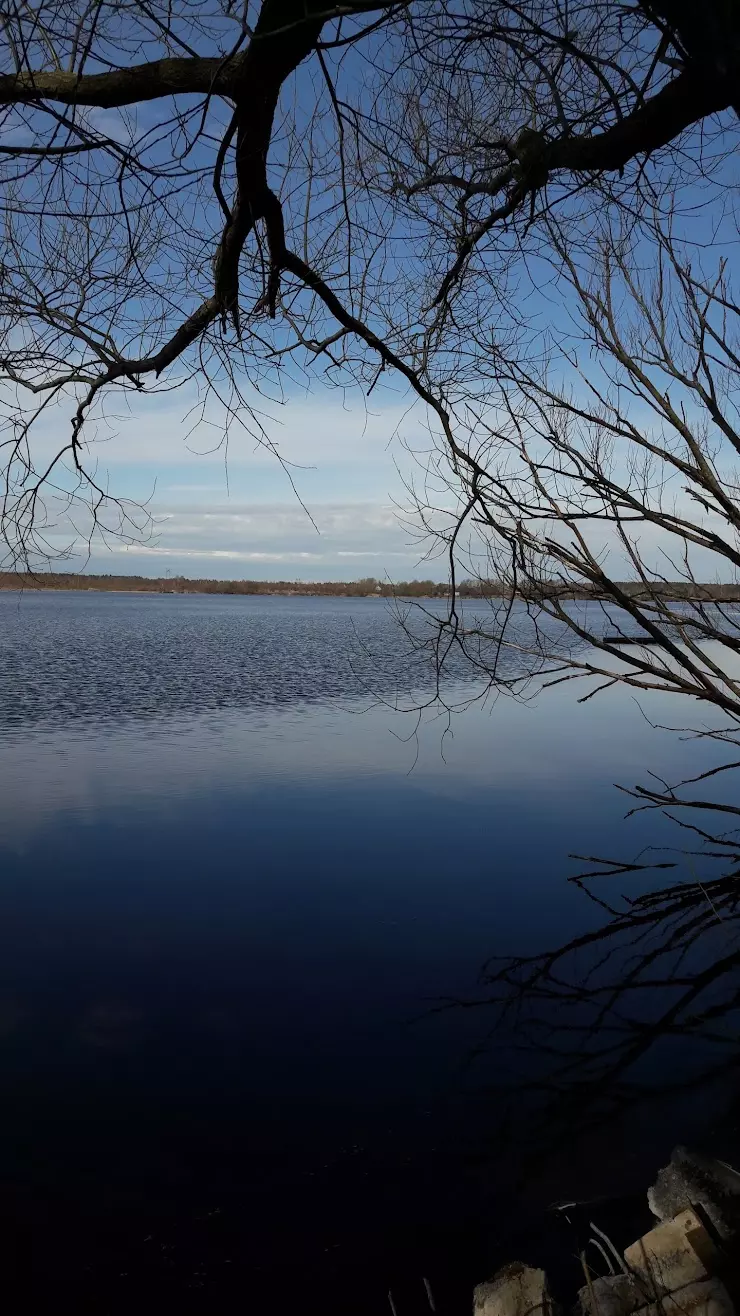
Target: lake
[237, 884]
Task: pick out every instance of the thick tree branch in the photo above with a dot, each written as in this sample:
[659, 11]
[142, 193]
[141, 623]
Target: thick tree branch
[282, 22]
[143, 82]
[684, 101]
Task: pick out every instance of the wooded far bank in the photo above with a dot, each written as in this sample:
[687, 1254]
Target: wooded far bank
[368, 586]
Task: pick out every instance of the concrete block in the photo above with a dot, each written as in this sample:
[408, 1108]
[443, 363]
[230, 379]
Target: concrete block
[515, 1290]
[674, 1254]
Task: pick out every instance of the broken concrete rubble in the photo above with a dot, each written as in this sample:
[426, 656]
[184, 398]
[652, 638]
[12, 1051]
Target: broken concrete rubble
[516, 1290]
[700, 1181]
[675, 1266]
[688, 1265]
[610, 1295]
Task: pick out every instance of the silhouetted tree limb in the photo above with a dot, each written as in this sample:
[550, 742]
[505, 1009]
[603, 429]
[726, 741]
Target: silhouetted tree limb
[167, 239]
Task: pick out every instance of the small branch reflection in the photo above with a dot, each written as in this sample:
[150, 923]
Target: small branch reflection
[643, 1005]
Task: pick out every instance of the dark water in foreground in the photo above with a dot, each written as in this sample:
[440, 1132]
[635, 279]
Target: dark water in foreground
[233, 886]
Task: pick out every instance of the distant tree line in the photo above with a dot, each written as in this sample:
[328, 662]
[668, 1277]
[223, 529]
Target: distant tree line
[369, 586]
[59, 580]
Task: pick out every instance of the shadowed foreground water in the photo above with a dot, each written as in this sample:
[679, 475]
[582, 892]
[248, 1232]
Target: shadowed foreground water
[234, 885]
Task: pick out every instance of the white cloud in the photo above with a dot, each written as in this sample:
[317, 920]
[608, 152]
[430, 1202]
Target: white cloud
[221, 539]
[214, 504]
[152, 550]
[165, 430]
[280, 532]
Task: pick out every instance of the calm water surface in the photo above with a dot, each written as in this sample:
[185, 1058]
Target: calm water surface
[234, 884]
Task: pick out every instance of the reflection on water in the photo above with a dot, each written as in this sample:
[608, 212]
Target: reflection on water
[643, 1007]
[233, 886]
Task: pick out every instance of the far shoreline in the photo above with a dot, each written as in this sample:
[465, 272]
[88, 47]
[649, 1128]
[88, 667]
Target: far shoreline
[368, 587]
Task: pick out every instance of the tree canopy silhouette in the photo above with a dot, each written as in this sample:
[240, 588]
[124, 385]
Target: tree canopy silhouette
[243, 194]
